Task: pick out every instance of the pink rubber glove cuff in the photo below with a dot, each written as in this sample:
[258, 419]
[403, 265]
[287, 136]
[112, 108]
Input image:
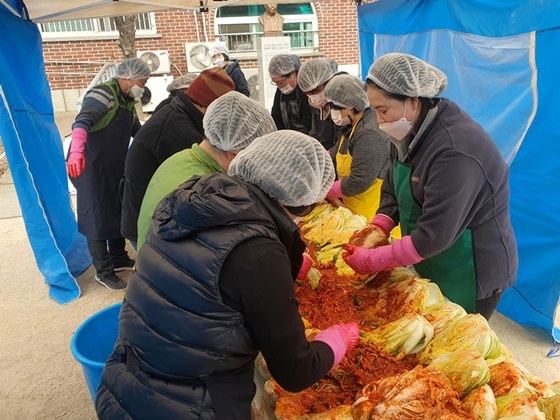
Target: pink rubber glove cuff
[340, 338]
[383, 222]
[336, 190]
[305, 266]
[79, 138]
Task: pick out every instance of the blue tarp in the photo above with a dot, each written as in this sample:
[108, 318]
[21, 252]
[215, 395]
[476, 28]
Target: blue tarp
[502, 59]
[34, 150]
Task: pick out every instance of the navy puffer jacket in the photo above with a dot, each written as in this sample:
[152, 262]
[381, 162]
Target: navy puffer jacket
[162, 365]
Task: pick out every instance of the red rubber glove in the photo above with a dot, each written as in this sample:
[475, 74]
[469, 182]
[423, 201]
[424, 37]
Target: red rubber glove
[336, 190]
[305, 266]
[364, 261]
[76, 162]
[340, 338]
[383, 222]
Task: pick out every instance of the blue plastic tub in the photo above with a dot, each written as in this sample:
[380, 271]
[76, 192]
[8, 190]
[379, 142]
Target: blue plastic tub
[93, 342]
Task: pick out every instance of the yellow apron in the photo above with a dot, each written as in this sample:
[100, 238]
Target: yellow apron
[365, 203]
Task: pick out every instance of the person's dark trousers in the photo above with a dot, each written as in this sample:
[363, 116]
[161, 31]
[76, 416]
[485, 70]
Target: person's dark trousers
[107, 254]
[486, 307]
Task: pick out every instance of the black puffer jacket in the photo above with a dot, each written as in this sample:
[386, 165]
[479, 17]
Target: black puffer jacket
[186, 349]
[177, 126]
[234, 71]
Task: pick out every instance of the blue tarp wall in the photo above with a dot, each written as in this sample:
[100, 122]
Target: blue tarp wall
[502, 59]
[34, 150]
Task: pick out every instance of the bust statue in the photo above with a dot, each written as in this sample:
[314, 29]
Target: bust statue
[271, 21]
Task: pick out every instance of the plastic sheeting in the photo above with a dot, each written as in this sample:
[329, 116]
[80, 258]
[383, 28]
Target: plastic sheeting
[34, 151]
[501, 58]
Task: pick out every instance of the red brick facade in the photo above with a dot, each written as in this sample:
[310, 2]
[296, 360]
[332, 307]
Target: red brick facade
[337, 39]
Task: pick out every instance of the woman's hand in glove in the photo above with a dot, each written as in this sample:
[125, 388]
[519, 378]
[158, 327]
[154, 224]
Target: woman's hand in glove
[340, 338]
[365, 261]
[76, 164]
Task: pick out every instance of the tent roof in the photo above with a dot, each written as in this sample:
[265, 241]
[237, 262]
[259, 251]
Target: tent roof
[52, 10]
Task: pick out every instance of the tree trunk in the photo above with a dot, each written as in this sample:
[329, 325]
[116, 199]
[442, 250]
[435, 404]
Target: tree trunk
[127, 35]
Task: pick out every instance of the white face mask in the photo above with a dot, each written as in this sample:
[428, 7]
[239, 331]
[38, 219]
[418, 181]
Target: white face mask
[398, 129]
[336, 116]
[136, 91]
[286, 90]
[219, 62]
[318, 101]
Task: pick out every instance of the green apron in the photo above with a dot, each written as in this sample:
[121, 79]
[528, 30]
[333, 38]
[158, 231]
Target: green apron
[453, 269]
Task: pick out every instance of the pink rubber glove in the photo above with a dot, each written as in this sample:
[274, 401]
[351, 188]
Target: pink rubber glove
[340, 338]
[76, 162]
[305, 266]
[364, 261]
[336, 190]
[383, 222]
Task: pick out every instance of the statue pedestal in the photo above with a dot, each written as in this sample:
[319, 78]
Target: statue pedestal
[268, 47]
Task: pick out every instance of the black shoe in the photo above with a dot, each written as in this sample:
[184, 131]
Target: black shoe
[125, 266]
[112, 282]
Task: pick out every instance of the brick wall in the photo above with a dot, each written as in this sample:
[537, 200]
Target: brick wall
[337, 39]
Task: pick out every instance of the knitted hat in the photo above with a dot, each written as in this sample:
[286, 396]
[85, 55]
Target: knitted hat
[209, 85]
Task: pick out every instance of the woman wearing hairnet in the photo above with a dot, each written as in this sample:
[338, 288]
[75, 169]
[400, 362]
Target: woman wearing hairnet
[361, 154]
[220, 58]
[447, 186]
[290, 109]
[100, 138]
[213, 286]
[312, 78]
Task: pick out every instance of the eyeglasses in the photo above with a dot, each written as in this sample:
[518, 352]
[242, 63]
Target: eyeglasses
[283, 82]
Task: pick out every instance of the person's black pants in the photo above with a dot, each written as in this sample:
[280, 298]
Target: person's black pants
[486, 307]
[107, 254]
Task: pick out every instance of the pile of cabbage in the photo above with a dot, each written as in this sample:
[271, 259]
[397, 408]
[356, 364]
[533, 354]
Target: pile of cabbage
[463, 370]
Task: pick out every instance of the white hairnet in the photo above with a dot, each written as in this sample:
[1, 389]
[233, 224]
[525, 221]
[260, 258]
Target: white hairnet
[283, 64]
[220, 48]
[315, 72]
[404, 74]
[347, 91]
[133, 69]
[233, 121]
[181, 82]
[289, 166]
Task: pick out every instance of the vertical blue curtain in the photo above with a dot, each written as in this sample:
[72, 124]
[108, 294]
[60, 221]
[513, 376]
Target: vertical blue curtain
[35, 157]
[502, 59]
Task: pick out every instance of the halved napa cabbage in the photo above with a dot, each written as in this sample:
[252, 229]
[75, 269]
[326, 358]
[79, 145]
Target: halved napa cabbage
[443, 314]
[335, 228]
[469, 332]
[481, 404]
[465, 369]
[406, 335]
[506, 378]
[407, 295]
[519, 405]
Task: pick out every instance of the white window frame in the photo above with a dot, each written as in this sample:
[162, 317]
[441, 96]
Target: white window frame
[96, 33]
[251, 20]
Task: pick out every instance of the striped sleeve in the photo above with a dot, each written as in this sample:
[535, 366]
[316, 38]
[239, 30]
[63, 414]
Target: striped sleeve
[97, 103]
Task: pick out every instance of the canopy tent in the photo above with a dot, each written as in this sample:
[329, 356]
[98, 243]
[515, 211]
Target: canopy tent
[501, 59]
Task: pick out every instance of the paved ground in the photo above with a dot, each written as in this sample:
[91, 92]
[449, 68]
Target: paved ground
[39, 379]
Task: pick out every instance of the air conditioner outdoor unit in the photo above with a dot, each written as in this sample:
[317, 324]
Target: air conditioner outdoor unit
[198, 56]
[157, 61]
[252, 76]
[155, 92]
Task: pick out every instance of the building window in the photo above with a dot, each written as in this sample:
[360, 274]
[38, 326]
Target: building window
[104, 27]
[239, 26]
